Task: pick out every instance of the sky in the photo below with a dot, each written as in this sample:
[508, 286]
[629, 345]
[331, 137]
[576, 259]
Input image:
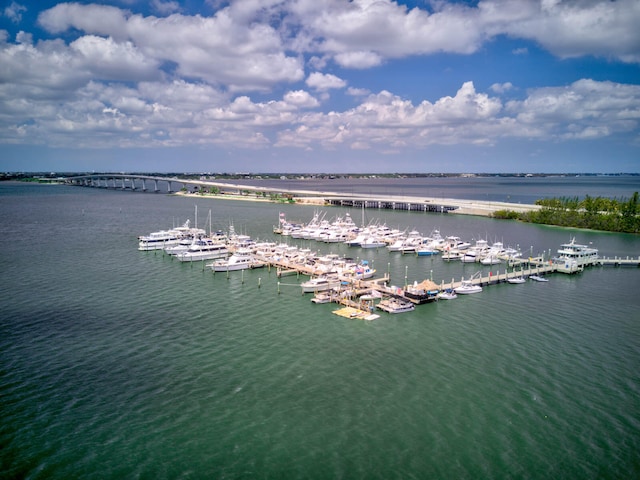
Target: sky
[320, 86]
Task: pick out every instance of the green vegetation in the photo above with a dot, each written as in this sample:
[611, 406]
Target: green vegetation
[595, 213]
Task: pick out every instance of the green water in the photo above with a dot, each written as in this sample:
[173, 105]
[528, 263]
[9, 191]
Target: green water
[116, 363]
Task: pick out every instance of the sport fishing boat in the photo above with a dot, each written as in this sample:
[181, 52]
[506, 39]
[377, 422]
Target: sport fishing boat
[468, 287]
[241, 259]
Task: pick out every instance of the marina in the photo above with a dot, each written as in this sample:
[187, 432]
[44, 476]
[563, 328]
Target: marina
[354, 284]
[135, 356]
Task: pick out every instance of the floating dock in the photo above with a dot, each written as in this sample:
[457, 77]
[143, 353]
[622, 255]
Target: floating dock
[619, 262]
[351, 312]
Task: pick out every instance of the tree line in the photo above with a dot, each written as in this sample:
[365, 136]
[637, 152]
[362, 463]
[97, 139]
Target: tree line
[595, 213]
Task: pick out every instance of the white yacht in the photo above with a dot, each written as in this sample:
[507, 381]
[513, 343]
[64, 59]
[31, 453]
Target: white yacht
[476, 252]
[453, 242]
[447, 294]
[203, 249]
[517, 280]
[319, 284]
[360, 271]
[241, 259]
[158, 240]
[372, 242]
[573, 257]
[395, 305]
[538, 278]
[468, 287]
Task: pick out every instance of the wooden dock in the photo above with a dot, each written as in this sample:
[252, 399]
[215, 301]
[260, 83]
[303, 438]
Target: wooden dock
[619, 262]
[353, 289]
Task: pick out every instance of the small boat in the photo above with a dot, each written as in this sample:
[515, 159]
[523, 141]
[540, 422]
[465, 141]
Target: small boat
[372, 242]
[538, 278]
[426, 251]
[395, 305]
[360, 271]
[447, 295]
[452, 255]
[467, 286]
[516, 280]
[490, 260]
[323, 297]
[375, 294]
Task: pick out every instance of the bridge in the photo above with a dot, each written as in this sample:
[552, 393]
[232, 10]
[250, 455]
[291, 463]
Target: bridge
[134, 181]
[393, 202]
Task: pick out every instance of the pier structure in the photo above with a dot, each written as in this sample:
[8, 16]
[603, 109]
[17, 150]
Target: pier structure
[619, 261]
[353, 289]
[407, 203]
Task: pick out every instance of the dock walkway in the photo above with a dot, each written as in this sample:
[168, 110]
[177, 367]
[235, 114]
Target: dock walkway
[619, 262]
[354, 288]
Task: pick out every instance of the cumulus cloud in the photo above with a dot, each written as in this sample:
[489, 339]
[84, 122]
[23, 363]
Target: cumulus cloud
[216, 49]
[599, 108]
[358, 92]
[301, 99]
[165, 7]
[584, 109]
[185, 113]
[358, 59]
[324, 81]
[501, 87]
[123, 78]
[363, 33]
[571, 29]
[14, 11]
[110, 60]
[93, 19]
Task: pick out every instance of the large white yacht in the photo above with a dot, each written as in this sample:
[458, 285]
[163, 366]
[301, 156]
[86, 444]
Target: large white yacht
[203, 249]
[573, 257]
[241, 259]
[158, 240]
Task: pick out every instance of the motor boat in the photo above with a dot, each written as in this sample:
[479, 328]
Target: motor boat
[516, 280]
[203, 249]
[447, 295]
[467, 286]
[241, 259]
[538, 278]
[319, 284]
[395, 305]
